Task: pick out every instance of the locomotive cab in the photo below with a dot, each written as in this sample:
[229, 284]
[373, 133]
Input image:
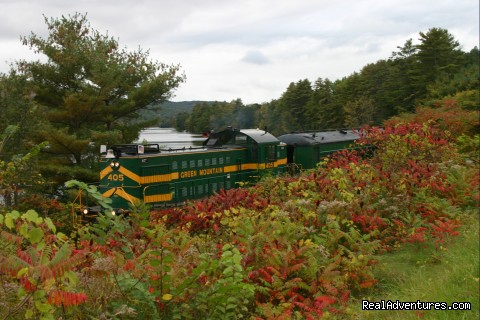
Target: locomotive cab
[265, 151]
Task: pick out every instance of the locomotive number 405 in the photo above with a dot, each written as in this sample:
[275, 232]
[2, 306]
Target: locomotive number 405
[115, 177]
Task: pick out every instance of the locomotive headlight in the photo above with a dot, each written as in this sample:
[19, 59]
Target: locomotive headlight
[114, 213]
[117, 164]
[112, 164]
[85, 211]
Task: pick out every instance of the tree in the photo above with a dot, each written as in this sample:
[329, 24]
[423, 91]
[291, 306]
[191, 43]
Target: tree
[323, 112]
[17, 116]
[90, 92]
[437, 54]
[359, 112]
[294, 102]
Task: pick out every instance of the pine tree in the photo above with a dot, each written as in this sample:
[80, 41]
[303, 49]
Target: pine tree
[90, 92]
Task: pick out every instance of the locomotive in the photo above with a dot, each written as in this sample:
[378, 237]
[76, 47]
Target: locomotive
[131, 174]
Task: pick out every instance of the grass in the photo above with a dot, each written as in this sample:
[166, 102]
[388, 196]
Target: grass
[446, 274]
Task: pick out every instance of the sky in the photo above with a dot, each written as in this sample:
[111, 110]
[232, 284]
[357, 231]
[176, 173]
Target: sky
[248, 49]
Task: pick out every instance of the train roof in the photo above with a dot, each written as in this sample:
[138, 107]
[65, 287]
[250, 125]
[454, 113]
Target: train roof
[234, 137]
[259, 136]
[322, 137]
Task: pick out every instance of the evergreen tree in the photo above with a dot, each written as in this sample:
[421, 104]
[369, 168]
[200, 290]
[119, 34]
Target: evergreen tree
[437, 54]
[90, 92]
[323, 111]
[18, 118]
[404, 72]
[359, 112]
[294, 104]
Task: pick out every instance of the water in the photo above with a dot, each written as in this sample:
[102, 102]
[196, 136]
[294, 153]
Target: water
[170, 138]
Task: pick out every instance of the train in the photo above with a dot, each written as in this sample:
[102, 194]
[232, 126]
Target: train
[131, 174]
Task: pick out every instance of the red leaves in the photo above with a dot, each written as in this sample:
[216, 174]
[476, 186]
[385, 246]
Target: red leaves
[129, 265]
[66, 299]
[442, 229]
[205, 215]
[27, 285]
[323, 302]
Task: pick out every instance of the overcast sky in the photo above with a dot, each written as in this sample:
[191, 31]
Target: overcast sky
[249, 49]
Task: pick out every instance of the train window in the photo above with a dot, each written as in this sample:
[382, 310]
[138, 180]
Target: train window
[206, 188]
[227, 185]
[227, 160]
[211, 142]
[220, 160]
[184, 164]
[200, 189]
[174, 165]
[184, 192]
[214, 161]
[192, 163]
[200, 163]
[214, 186]
[207, 162]
[271, 153]
[240, 139]
[255, 152]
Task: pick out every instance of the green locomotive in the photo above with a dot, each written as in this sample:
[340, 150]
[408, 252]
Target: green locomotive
[134, 173]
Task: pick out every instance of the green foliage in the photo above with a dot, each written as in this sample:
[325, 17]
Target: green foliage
[216, 115]
[37, 267]
[359, 112]
[89, 84]
[91, 191]
[289, 247]
[18, 173]
[448, 274]
[469, 147]
[229, 297]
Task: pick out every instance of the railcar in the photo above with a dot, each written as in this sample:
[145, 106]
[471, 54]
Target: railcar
[131, 174]
[306, 149]
[134, 173]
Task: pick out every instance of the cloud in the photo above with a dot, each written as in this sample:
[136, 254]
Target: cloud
[255, 57]
[249, 49]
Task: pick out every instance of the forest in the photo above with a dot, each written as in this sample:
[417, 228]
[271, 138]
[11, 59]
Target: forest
[415, 75]
[401, 224]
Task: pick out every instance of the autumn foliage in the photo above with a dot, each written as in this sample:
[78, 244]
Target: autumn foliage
[289, 247]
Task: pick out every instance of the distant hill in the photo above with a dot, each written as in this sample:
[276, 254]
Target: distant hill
[168, 111]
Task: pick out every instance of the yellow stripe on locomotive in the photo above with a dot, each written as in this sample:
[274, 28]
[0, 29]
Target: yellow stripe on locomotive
[133, 173]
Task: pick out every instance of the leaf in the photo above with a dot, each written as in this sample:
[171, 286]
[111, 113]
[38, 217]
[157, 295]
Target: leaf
[50, 225]
[9, 222]
[72, 277]
[15, 214]
[21, 272]
[42, 307]
[167, 297]
[36, 235]
[75, 183]
[168, 258]
[29, 314]
[155, 262]
[31, 216]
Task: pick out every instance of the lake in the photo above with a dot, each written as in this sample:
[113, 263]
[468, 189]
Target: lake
[169, 138]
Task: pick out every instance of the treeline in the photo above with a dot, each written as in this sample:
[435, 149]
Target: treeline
[415, 75]
[88, 91]
[56, 112]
